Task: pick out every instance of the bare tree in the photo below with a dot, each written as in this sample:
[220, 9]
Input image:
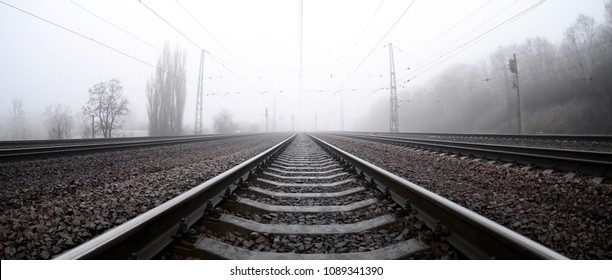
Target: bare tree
[537, 55]
[579, 43]
[18, 127]
[224, 122]
[107, 105]
[564, 88]
[166, 93]
[59, 121]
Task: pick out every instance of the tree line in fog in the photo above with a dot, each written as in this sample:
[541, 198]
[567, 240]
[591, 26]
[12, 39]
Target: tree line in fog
[565, 88]
[107, 108]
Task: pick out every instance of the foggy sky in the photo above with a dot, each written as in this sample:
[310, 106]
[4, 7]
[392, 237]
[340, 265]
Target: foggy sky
[259, 51]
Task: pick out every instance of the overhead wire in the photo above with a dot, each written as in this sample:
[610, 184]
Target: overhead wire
[446, 31]
[126, 32]
[455, 25]
[451, 28]
[207, 31]
[465, 35]
[430, 65]
[378, 43]
[196, 44]
[170, 24]
[213, 36]
[115, 26]
[364, 98]
[371, 51]
[473, 86]
[95, 41]
[430, 60]
[110, 47]
[380, 74]
[365, 29]
[359, 38]
[114, 49]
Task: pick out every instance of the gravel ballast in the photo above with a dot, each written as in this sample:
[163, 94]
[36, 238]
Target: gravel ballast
[571, 216]
[303, 226]
[578, 145]
[51, 205]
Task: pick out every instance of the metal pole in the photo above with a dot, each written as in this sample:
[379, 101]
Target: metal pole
[93, 130]
[199, 96]
[518, 97]
[394, 118]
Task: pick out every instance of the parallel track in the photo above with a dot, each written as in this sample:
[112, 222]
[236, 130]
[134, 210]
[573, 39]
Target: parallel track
[20, 150]
[587, 162]
[12, 144]
[283, 201]
[467, 137]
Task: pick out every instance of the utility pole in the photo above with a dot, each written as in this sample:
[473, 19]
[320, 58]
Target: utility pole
[394, 119]
[513, 66]
[199, 95]
[93, 128]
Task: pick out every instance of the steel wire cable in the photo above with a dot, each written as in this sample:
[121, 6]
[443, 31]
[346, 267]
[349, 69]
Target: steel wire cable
[97, 42]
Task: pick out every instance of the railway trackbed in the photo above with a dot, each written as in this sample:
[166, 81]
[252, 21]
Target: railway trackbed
[36, 149]
[306, 199]
[595, 163]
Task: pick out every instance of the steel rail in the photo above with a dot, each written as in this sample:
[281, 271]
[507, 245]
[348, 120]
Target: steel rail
[475, 236]
[24, 153]
[149, 233]
[588, 162]
[550, 137]
[4, 144]
[588, 155]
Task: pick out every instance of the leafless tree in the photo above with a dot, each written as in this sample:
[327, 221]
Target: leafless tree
[579, 43]
[564, 88]
[224, 122]
[537, 55]
[18, 128]
[166, 93]
[107, 105]
[59, 121]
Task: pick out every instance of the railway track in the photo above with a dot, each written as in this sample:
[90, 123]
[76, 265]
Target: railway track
[12, 144]
[569, 141]
[595, 163]
[20, 150]
[306, 199]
